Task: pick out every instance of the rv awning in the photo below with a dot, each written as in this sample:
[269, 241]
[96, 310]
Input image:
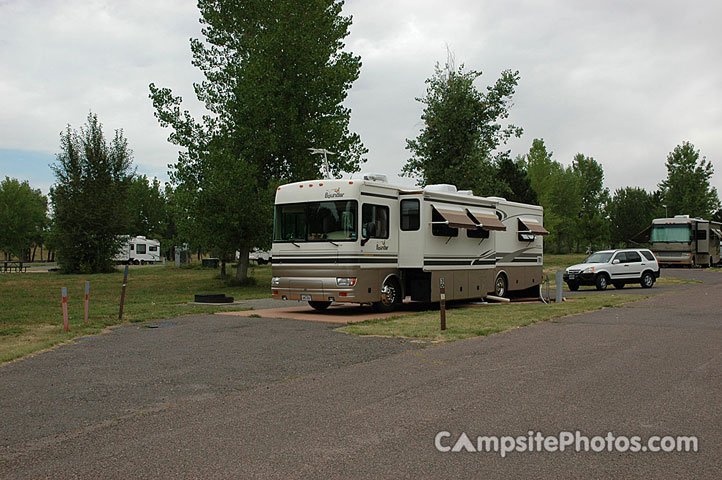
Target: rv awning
[487, 219]
[533, 226]
[456, 217]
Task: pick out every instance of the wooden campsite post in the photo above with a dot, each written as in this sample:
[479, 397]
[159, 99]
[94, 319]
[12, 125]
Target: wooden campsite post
[65, 308]
[122, 294]
[442, 300]
[87, 291]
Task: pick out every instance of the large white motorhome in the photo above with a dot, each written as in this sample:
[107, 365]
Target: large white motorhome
[138, 251]
[685, 240]
[366, 241]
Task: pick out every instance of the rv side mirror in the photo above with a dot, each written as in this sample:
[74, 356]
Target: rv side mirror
[368, 231]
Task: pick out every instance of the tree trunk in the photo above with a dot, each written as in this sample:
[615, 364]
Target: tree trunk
[32, 258]
[242, 269]
[223, 268]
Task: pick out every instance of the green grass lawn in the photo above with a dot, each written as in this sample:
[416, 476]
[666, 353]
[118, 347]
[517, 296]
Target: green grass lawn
[31, 309]
[479, 321]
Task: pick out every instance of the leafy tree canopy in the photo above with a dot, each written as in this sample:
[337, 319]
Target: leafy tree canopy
[22, 216]
[687, 189]
[89, 197]
[463, 129]
[276, 76]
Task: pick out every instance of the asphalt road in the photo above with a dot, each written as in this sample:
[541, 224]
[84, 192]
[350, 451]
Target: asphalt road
[217, 397]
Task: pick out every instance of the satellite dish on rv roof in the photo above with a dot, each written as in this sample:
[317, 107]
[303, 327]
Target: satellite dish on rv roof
[325, 153]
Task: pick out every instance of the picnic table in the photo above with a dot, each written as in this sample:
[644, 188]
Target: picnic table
[8, 266]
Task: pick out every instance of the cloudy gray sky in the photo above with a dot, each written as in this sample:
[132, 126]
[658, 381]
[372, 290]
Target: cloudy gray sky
[621, 81]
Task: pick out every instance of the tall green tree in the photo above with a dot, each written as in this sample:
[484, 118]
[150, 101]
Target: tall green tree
[146, 207]
[592, 225]
[23, 217]
[463, 129]
[630, 211]
[558, 189]
[513, 174]
[89, 197]
[687, 189]
[276, 76]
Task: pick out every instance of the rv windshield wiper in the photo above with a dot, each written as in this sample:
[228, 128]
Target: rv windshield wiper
[331, 241]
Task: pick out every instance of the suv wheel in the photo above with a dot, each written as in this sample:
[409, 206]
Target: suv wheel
[602, 281]
[573, 286]
[647, 280]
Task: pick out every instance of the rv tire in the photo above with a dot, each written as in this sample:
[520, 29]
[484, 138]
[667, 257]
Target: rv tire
[390, 296]
[500, 285]
[320, 306]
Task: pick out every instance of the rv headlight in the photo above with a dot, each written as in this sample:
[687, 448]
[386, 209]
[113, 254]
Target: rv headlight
[275, 281]
[345, 281]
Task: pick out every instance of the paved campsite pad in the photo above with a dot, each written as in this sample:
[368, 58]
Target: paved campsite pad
[346, 313]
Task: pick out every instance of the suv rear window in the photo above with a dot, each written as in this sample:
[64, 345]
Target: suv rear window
[633, 257]
[648, 255]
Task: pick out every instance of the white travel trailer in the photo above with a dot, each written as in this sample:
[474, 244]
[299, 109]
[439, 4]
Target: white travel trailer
[138, 251]
[365, 241]
[685, 240]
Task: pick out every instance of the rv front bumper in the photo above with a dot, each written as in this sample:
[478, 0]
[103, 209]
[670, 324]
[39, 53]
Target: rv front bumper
[315, 289]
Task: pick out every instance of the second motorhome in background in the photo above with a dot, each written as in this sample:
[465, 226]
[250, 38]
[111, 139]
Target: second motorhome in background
[362, 240]
[685, 240]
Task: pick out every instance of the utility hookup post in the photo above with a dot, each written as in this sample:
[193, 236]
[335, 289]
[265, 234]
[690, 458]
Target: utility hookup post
[558, 298]
[442, 299]
[122, 293]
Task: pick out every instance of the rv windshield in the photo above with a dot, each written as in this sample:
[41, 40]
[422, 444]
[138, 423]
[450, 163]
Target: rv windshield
[316, 222]
[671, 233]
[599, 257]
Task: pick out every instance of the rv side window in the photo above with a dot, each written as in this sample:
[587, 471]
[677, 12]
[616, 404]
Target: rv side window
[477, 233]
[132, 246]
[378, 215]
[153, 248]
[410, 216]
[701, 234]
[141, 248]
[441, 229]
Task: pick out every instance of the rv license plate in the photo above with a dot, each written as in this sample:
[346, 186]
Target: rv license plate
[571, 276]
[306, 297]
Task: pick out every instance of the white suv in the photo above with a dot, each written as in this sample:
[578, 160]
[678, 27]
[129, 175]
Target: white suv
[618, 267]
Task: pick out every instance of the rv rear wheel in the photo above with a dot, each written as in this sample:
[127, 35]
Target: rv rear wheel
[390, 296]
[500, 285]
[320, 306]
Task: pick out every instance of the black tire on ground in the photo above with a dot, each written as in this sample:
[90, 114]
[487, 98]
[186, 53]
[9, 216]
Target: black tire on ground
[618, 285]
[500, 285]
[647, 280]
[573, 286]
[390, 296]
[601, 281]
[136, 262]
[213, 298]
[320, 306]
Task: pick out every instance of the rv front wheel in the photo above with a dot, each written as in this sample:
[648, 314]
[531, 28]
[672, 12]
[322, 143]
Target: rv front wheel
[390, 296]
